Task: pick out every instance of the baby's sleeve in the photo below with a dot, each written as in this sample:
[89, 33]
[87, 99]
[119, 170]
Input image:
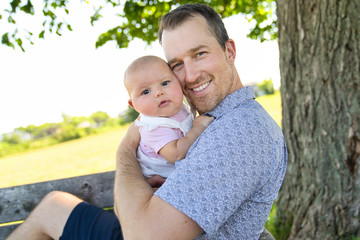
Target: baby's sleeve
[159, 137]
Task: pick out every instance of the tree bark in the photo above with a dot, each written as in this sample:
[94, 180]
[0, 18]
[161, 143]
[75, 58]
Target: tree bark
[319, 44]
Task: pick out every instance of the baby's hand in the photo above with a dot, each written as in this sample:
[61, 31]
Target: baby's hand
[203, 121]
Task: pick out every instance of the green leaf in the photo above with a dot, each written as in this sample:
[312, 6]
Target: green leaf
[96, 16]
[14, 5]
[28, 8]
[58, 28]
[11, 20]
[5, 40]
[49, 14]
[41, 35]
[19, 43]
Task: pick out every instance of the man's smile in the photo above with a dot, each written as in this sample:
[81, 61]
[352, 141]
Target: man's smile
[201, 87]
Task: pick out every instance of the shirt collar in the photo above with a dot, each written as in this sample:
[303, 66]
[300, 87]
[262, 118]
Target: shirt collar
[232, 100]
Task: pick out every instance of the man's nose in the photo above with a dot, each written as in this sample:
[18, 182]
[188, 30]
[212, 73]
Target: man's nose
[191, 72]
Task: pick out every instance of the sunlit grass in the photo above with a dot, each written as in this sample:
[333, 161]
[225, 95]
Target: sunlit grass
[83, 156]
[272, 104]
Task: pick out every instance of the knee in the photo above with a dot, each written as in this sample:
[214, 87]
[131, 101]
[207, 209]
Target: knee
[55, 198]
[44, 207]
[55, 202]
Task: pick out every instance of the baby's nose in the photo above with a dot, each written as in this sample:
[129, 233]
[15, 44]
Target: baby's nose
[158, 93]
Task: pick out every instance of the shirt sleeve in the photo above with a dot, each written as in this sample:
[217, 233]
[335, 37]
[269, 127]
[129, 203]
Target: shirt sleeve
[159, 137]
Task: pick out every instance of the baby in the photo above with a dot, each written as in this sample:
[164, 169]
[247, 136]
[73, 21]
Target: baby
[167, 126]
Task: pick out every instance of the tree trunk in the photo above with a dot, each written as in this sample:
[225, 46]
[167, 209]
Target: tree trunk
[319, 44]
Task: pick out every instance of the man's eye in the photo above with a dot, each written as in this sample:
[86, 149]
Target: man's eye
[200, 54]
[165, 83]
[175, 66]
[145, 92]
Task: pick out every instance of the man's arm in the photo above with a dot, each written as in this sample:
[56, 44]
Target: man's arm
[143, 215]
[177, 149]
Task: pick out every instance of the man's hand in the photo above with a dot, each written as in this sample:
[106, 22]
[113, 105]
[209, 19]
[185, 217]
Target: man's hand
[202, 121]
[131, 138]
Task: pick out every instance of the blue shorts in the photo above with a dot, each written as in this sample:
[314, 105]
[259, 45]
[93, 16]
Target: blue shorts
[90, 222]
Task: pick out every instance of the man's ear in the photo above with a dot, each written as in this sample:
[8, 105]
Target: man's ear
[231, 50]
[130, 103]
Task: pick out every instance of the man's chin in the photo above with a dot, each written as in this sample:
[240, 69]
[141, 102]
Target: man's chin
[205, 105]
[203, 108]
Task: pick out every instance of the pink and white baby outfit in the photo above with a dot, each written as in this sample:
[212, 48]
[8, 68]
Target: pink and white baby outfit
[155, 133]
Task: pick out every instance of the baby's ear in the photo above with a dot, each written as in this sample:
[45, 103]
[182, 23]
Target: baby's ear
[130, 103]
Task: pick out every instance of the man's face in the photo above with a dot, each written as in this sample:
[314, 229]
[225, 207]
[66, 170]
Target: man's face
[206, 72]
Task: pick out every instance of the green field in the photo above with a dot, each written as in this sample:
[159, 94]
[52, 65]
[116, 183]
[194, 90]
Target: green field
[83, 156]
[272, 104]
[87, 155]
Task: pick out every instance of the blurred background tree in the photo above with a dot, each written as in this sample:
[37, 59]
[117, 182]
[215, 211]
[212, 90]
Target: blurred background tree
[100, 118]
[266, 87]
[129, 115]
[139, 19]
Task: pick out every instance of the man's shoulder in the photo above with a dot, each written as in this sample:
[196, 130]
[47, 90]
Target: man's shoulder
[246, 125]
[245, 115]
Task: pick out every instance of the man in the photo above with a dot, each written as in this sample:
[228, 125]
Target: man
[226, 185]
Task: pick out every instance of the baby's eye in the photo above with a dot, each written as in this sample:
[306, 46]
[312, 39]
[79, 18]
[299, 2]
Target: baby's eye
[164, 83]
[145, 92]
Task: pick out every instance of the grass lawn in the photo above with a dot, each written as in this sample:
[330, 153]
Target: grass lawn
[83, 156]
[88, 155]
[272, 104]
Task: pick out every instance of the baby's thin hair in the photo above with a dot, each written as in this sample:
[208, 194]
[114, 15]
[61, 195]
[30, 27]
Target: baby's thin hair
[140, 62]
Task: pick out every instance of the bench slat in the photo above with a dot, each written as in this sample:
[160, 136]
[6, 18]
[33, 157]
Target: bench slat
[17, 202]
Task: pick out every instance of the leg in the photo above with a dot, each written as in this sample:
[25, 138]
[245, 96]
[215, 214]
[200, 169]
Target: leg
[48, 219]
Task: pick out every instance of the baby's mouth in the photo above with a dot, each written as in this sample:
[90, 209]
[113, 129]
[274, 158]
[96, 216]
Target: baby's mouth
[164, 103]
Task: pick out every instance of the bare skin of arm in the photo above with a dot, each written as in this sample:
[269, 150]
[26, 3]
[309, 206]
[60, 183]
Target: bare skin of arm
[177, 149]
[143, 215]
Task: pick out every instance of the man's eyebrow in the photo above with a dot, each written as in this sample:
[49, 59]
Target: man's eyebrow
[172, 61]
[191, 50]
[195, 49]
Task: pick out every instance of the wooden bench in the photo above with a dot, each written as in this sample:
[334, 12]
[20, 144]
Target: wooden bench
[17, 202]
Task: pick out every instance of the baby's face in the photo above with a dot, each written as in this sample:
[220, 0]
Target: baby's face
[154, 90]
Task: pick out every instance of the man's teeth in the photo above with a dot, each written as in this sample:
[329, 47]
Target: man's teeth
[201, 87]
